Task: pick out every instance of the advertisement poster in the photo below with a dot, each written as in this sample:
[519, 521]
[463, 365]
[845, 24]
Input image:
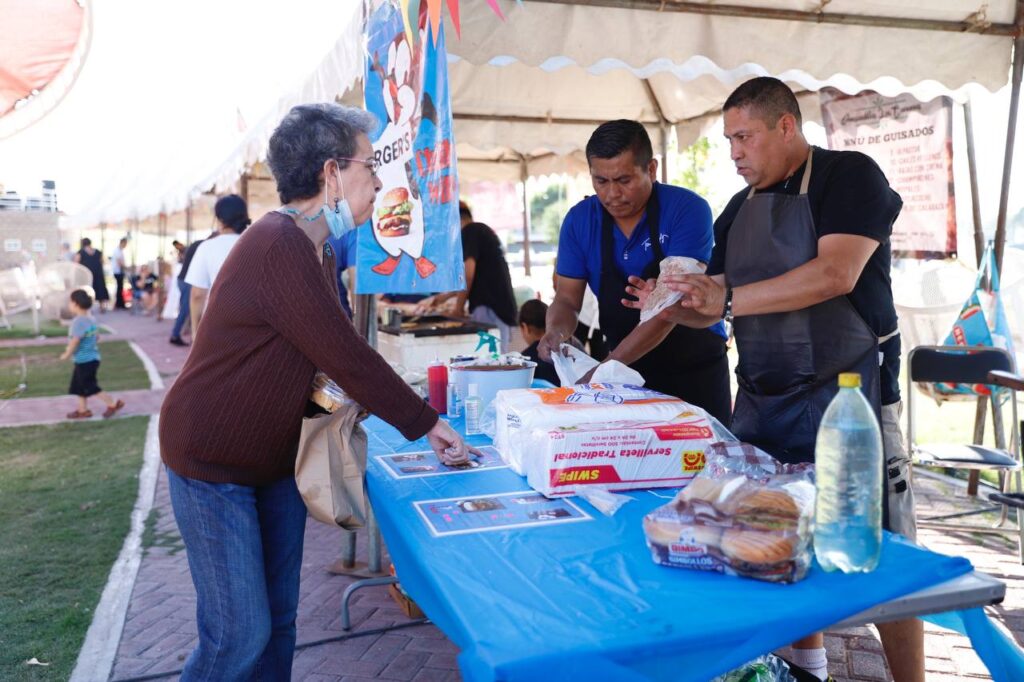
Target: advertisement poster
[912, 142]
[420, 464]
[459, 515]
[414, 243]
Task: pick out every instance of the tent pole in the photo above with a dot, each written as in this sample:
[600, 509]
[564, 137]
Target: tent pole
[972, 167]
[243, 187]
[188, 222]
[662, 127]
[979, 250]
[1011, 131]
[524, 175]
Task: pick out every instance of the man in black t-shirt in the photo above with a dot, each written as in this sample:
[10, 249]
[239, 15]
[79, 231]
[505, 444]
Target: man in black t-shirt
[185, 289]
[488, 282]
[801, 260]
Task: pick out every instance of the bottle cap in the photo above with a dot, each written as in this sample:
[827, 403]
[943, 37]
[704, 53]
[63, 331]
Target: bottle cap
[849, 380]
[472, 389]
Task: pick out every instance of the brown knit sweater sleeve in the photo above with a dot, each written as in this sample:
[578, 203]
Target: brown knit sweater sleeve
[294, 302]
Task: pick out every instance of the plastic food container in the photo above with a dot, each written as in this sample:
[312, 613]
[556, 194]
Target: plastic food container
[491, 378]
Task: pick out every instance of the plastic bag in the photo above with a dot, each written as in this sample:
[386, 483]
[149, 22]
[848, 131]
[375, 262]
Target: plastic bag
[571, 364]
[745, 514]
[767, 668]
[662, 297]
[605, 502]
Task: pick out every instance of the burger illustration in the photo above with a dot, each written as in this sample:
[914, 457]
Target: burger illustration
[394, 217]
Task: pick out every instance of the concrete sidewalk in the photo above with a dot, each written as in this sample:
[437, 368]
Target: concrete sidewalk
[160, 629]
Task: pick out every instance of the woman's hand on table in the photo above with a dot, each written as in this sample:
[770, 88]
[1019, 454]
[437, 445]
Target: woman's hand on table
[448, 445]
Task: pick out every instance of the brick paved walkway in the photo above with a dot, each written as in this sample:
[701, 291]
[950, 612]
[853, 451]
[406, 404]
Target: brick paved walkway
[160, 627]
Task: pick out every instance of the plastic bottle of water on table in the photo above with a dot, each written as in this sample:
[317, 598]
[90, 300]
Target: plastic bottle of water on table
[848, 472]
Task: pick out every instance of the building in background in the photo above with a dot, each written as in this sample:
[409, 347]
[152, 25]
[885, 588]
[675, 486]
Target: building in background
[28, 227]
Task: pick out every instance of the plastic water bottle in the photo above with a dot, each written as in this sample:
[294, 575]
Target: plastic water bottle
[848, 472]
[471, 404]
[452, 397]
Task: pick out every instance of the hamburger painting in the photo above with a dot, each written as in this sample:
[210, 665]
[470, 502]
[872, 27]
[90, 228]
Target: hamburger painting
[394, 217]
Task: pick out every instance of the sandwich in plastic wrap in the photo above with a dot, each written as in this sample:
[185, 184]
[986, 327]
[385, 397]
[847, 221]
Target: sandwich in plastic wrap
[607, 436]
[745, 514]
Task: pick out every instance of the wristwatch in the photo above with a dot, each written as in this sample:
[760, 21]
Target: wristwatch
[727, 308]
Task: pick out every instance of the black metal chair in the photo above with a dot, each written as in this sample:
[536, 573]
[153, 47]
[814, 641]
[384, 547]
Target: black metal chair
[975, 365]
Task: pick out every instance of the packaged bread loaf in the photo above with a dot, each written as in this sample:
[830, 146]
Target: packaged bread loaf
[745, 514]
[328, 394]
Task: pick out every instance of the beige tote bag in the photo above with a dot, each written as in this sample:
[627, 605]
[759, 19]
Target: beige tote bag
[331, 467]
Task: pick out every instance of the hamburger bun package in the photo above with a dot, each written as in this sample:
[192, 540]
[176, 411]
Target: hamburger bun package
[394, 217]
[745, 514]
[552, 430]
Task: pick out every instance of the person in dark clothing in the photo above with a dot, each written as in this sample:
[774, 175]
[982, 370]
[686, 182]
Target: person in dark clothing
[488, 281]
[531, 325]
[801, 267]
[344, 258]
[185, 289]
[92, 259]
[231, 422]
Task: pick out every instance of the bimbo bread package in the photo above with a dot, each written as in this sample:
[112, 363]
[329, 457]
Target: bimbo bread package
[611, 436]
[746, 514]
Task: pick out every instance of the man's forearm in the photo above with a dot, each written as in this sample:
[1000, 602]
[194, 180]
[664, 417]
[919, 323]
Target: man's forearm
[196, 303]
[642, 340]
[802, 287]
[562, 318]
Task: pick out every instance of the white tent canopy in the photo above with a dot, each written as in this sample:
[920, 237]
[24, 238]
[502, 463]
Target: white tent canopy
[141, 133]
[539, 83]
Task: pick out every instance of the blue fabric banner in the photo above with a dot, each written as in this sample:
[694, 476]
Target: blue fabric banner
[413, 242]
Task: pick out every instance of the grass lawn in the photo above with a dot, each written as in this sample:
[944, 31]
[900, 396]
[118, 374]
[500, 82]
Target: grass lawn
[66, 495]
[22, 328]
[120, 369]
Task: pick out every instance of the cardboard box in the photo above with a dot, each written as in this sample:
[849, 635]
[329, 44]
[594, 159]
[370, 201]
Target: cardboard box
[408, 606]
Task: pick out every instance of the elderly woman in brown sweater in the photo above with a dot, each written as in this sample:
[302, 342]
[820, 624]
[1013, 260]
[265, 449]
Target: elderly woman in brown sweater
[229, 427]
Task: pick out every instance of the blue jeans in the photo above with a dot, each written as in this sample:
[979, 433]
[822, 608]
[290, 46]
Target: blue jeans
[244, 549]
[183, 308]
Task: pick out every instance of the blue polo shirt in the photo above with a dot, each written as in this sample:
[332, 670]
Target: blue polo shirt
[685, 230]
[344, 258]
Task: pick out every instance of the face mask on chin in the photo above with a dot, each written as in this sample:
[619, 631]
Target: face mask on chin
[339, 219]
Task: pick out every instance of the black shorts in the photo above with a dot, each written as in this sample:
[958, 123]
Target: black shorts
[83, 379]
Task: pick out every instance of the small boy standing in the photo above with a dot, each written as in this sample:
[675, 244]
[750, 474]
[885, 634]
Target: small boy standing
[532, 326]
[83, 345]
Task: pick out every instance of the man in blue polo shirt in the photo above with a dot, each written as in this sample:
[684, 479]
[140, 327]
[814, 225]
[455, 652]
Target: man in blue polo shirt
[626, 229]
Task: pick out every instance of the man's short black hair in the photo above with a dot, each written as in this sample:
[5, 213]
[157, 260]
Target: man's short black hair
[81, 298]
[464, 212]
[86, 242]
[615, 137]
[769, 99]
[533, 313]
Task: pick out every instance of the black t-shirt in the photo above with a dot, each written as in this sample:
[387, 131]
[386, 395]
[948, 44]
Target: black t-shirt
[492, 283]
[187, 260]
[848, 194]
[545, 370]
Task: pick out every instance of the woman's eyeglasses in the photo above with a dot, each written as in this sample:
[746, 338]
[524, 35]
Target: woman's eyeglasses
[371, 163]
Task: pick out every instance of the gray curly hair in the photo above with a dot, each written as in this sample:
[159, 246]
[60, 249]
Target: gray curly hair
[309, 135]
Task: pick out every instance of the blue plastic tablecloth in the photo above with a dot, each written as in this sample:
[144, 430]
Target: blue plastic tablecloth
[585, 598]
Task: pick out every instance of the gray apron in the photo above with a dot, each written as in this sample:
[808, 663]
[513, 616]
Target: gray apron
[789, 362]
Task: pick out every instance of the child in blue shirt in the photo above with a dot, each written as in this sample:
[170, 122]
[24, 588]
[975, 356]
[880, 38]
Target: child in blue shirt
[83, 346]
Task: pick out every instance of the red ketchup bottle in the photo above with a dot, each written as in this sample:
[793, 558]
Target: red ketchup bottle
[437, 386]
